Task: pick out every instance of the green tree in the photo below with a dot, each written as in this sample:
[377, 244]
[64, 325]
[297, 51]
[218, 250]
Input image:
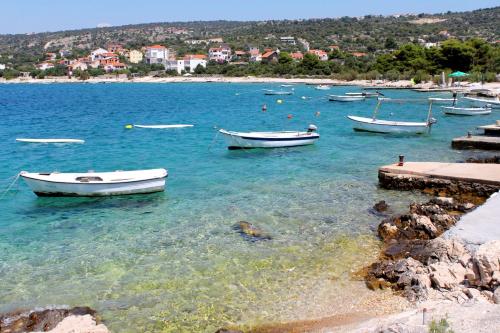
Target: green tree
[390, 43]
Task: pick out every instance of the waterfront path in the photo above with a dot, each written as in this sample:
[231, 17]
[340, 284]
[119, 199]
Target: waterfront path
[479, 226]
[468, 172]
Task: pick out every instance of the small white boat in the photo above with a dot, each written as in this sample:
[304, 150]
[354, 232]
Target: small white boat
[96, 183]
[277, 92]
[50, 140]
[345, 98]
[494, 103]
[286, 85]
[242, 140]
[453, 110]
[389, 126]
[164, 126]
[365, 94]
[323, 87]
[439, 100]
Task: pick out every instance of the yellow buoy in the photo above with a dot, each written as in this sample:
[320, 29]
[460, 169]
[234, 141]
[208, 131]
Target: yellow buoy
[129, 126]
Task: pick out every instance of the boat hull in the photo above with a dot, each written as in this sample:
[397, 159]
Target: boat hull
[484, 101]
[367, 125]
[335, 98]
[244, 142]
[466, 111]
[46, 188]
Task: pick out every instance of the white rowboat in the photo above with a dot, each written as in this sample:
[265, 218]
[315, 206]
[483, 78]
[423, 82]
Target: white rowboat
[242, 140]
[96, 183]
[323, 87]
[51, 140]
[494, 103]
[163, 126]
[439, 100]
[345, 98]
[388, 126]
[277, 92]
[365, 94]
[453, 110]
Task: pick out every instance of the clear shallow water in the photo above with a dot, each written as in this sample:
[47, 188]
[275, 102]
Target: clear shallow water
[172, 261]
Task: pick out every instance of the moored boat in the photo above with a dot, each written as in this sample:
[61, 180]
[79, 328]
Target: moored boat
[346, 98]
[96, 183]
[440, 100]
[365, 94]
[50, 140]
[323, 87]
[164, 126]
[242, 140]
[277, 92]
[390, 126]
[453, 110]
[494, 103]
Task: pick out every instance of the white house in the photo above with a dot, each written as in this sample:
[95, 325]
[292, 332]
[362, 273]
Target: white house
[157, 54]
[288, 40]
[191, 61]
[98, 54]
[45, 65]
[175, 65]
[257, 57]
[79, 65]
[2, 67]
[220, 54]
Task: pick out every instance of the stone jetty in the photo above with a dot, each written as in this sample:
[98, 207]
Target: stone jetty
[489, 141]
[475, 180]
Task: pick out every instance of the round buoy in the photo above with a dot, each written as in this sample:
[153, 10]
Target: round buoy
[279, 101]
[289, 116]
[318, 113]
[264, 108]
[304, 97]
[128, 126]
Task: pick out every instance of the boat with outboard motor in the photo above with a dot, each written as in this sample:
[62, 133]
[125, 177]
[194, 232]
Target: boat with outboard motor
[242, 140]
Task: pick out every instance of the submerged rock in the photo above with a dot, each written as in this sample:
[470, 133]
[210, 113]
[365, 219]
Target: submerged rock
[251, 231]
[39, 320]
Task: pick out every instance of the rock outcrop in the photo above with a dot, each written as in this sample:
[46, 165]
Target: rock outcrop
[422, 265]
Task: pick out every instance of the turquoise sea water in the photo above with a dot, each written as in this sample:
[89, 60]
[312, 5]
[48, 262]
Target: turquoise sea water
[172, 261]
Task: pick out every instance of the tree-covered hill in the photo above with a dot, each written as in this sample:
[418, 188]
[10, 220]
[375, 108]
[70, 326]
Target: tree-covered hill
[368, 33]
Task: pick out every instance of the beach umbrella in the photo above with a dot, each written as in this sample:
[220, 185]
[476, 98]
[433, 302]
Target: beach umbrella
[458, 74]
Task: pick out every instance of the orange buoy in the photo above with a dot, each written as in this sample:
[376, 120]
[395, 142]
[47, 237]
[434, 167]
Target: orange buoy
[289, 116]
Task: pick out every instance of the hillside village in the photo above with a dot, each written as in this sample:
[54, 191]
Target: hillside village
[393, 47]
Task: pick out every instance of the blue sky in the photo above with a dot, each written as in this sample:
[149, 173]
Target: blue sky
[23, 16]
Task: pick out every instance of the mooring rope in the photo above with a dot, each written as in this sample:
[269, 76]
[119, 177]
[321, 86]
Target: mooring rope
[16, 177]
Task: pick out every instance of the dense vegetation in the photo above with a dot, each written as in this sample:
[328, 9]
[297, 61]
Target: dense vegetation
[407, 62]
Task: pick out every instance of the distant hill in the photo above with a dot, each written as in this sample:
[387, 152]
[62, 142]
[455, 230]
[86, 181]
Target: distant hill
[368, 33]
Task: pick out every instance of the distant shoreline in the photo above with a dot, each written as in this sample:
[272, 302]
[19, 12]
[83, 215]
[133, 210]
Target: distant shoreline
[401, 84]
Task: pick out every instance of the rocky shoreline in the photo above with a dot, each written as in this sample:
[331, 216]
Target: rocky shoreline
[424, 266]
